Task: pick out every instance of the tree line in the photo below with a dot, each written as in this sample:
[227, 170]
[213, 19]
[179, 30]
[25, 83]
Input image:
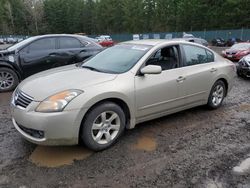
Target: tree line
[31, 17]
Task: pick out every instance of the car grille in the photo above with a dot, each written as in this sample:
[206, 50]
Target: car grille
[21, 99]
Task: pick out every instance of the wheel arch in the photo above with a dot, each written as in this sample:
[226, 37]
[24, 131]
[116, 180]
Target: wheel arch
[120, 102]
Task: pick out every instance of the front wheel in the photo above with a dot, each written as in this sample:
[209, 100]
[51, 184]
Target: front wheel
[217, 95]
[103, 126]
[8, 79]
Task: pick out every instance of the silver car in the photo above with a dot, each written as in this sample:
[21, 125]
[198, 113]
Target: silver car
[95, 101]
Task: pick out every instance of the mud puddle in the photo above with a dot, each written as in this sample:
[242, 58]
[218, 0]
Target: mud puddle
[145, 143]
[51, 157]
[244, 107]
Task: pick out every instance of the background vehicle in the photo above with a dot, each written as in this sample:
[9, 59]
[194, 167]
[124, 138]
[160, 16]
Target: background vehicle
[10, 40]
[40, 53]
[243, 68]
[237, 51]
[232, 41]
[219, 42]
[105, 40]
[108, 93]
[194, 40]
[1, 41]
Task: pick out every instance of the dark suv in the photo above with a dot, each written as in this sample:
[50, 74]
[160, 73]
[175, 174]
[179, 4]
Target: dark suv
[40, 53]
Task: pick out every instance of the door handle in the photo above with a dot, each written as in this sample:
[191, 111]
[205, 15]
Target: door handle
[180, 79]
[213, 70]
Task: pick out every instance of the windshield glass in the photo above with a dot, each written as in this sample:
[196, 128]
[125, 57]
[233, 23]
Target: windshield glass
[117, 59]
[241, 46]
[20, 44]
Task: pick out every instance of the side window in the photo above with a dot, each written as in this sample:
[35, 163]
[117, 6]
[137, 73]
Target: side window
[166, 57]
[196, 55]
[43, 44]
[69, 42]
[210, 56]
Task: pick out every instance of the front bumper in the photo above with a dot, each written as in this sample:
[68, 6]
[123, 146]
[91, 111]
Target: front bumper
[232, 57]
[60, 128]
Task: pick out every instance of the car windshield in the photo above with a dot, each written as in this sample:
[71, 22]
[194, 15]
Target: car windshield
[20, 44]
[117, 59]
[241, 46]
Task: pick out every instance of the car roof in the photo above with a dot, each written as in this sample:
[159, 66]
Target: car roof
[60, 35]
[151, 42]
[154, 42]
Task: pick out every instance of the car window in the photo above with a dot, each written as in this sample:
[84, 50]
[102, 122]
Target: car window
[210, 56]
[69, 42]
[43, 44]
[195, 55]
[166, 57]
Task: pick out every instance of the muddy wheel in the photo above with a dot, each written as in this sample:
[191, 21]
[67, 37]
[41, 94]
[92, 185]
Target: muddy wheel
[103, 125]
[217, 95]
[8, 79]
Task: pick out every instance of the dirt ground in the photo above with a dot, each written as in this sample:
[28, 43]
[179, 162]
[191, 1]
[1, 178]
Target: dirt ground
[193, 148]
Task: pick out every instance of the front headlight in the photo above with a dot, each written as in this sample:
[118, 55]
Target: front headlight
[58, 102]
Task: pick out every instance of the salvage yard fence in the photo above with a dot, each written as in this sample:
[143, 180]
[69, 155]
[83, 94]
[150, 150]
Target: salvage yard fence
[243, 34]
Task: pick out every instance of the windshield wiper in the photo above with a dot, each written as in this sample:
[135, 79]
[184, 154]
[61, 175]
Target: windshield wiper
[91, 68]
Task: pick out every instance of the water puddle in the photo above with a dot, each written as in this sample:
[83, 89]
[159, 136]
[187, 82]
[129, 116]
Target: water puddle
[243, 167]
[244, 107]
[145, 143]
[58, 156]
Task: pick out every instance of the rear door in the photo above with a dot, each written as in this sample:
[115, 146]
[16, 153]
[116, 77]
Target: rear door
[37, 56]
[71, 50]
[199, 70]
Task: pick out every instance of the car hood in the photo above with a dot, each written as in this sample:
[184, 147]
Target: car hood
[4, 53]
[247, 59]
[235, 50]
[47, 83]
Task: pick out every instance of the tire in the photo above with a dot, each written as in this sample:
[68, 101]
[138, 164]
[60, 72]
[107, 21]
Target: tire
[8, 79]
[217, 95]
[102, 126]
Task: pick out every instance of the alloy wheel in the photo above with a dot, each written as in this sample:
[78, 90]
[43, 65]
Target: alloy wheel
[106, 127]
[6, 80]
[218, 95]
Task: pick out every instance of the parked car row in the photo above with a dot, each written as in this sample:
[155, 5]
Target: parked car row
[93, 102]
[222, 43]
[10, 40]
[40, 53]
[240, 53]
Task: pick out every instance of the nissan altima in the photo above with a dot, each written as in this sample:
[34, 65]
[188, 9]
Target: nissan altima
[133, 82]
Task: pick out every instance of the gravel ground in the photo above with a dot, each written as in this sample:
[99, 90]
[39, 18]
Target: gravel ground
[193, 148]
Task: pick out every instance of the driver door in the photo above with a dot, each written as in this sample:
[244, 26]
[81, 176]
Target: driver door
[158, 94]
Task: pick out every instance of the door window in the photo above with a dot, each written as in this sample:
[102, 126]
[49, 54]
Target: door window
[69, 42]
[166, 57]
[43, 44]
[195, 55]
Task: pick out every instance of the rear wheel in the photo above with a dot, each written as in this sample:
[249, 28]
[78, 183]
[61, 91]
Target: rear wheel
[217, 94]
[8, 79]
[103, 126]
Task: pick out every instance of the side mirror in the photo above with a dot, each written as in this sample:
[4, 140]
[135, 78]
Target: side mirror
[151, 69]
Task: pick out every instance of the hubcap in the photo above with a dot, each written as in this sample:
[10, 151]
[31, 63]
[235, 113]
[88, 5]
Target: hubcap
[218, 95]
[106, 127]
[6, 80]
